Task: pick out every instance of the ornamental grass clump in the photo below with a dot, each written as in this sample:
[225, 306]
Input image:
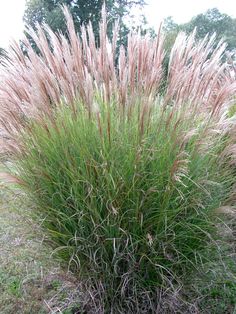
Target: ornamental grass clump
[127, 179]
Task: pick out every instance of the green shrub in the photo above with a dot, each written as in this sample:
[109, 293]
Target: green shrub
[131, 209]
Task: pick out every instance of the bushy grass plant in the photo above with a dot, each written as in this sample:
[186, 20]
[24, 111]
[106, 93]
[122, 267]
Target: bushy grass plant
[127, 178]
[129, 201]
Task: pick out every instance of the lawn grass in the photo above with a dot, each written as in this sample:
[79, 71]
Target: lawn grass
[31, 280]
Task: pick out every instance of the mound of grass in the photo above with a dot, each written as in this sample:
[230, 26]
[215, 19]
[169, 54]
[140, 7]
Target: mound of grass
[128, 173]
[132, 209]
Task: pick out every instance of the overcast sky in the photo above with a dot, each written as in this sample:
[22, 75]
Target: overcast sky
[11, 13]
[183, 10]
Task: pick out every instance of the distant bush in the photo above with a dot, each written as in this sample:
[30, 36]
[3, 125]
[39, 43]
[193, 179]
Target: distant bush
[127, 182]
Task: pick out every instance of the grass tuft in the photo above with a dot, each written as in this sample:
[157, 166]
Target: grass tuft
[128, 179]
[130, 204]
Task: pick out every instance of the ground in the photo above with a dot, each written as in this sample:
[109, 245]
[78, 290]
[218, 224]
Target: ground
[33, 280]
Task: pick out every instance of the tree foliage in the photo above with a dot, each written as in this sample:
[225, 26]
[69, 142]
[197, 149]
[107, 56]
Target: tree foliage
[3, 56]
[210, 22]
[213, 21]
[83, 11]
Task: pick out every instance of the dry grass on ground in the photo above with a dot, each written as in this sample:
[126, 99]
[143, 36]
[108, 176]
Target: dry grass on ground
[31, 280]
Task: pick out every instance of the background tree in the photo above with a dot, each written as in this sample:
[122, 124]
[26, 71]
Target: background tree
[212, 21]
[83, 11]
[3, 56]
[171, 30]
